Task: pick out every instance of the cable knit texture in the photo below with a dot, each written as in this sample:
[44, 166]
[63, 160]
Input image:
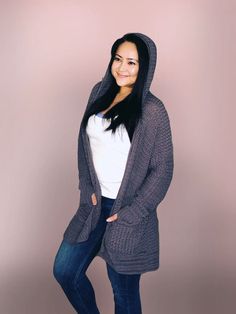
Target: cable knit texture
[130, 243]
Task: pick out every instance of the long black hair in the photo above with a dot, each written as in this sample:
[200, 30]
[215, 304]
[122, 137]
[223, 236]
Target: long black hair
[129, 110]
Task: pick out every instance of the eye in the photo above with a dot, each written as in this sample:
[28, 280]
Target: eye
[131, 63]
[116, 59]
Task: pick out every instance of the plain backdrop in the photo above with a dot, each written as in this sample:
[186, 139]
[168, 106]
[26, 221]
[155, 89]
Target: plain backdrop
[52, 53]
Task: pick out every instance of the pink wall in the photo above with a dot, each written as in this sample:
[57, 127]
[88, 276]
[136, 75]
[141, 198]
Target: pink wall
[52, 53]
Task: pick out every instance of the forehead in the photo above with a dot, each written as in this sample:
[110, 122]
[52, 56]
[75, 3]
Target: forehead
[127, 50]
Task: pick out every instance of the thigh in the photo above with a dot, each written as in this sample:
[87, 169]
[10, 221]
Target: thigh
[73, 258]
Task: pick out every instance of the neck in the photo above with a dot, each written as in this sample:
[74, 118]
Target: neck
[124, 90]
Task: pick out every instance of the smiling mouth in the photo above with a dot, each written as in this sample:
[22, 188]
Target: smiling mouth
[120, 75]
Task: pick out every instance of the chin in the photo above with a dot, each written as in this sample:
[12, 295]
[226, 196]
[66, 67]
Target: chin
[123, 84]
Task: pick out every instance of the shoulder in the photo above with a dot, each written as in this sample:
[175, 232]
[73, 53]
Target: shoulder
[93, 94]
[97, 85]
[95, 89]
[154, 110]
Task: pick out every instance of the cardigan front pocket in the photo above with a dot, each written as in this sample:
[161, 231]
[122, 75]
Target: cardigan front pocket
[79, 226]
[125, 239]
[87, 226]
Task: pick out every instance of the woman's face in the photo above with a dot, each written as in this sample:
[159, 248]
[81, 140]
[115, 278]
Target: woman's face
[125, 65]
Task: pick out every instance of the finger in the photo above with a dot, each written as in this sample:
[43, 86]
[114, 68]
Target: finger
[94, 199]
[112, 218]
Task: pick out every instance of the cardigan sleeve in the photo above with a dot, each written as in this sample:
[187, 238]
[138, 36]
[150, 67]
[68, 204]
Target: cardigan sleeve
[85, 185]
[159, 176]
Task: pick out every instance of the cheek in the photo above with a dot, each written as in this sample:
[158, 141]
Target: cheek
[134, 72]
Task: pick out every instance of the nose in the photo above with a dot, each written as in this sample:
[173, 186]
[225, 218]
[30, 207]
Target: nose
[122, 66]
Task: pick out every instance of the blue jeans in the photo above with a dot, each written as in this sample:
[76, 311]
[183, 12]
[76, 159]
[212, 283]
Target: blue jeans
[72, 261]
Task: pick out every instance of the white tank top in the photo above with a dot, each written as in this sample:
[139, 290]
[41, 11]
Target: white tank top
[109, 152]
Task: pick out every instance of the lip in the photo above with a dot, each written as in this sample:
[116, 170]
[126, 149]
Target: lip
[120, 75]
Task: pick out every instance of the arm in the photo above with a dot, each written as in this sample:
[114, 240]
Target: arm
[158, 179]
[85, 184]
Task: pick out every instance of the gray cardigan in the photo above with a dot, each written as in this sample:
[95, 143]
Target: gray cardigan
[130, 243]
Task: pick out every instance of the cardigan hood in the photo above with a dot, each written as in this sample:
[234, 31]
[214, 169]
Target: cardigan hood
[152, 51]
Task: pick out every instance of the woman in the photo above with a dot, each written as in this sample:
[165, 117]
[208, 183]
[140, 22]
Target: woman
[125, 163]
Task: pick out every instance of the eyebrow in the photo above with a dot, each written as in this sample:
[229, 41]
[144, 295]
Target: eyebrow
[126, 58]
